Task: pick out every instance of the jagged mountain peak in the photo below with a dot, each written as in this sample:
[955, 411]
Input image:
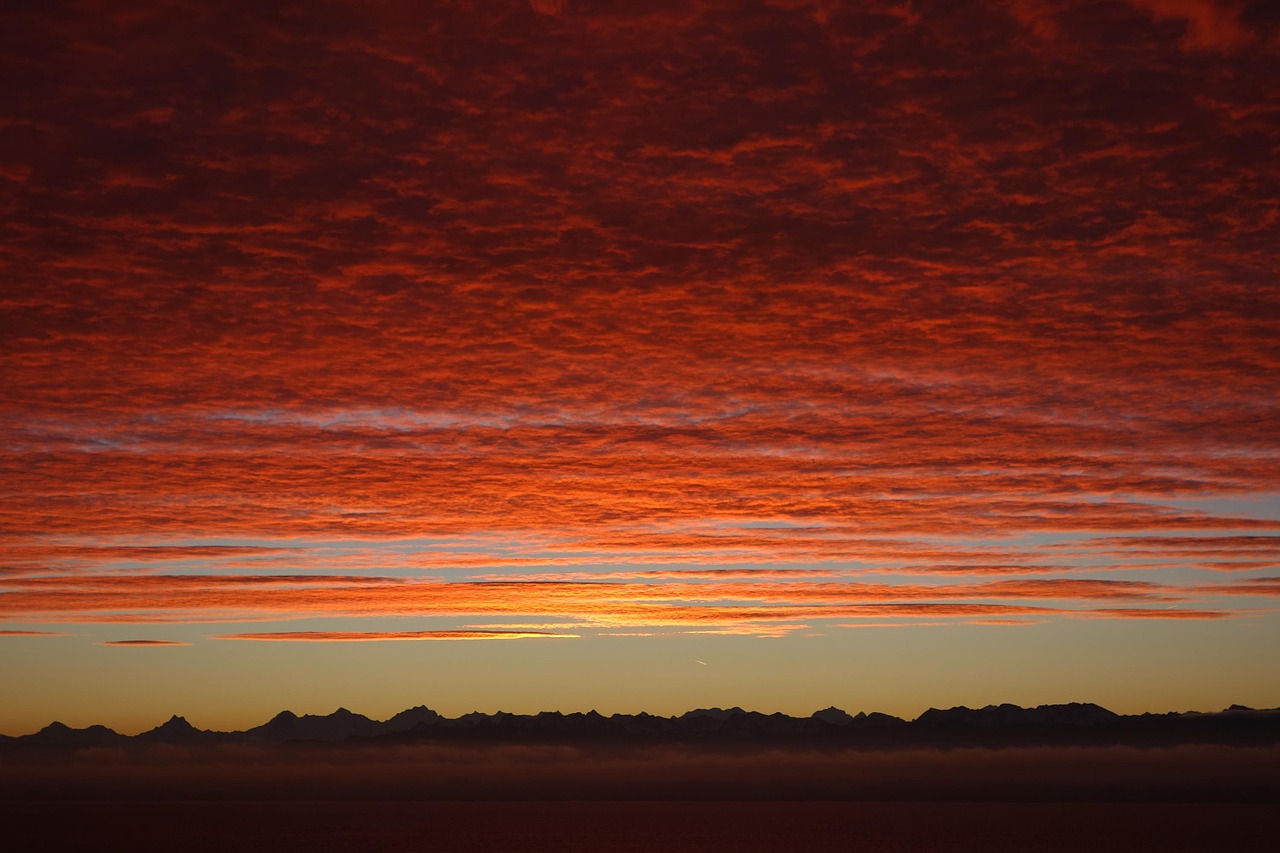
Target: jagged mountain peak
[177, 722]
[176, 730]
[835, 716]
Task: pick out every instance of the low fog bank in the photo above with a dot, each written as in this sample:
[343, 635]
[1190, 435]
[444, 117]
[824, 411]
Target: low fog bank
[451, 772]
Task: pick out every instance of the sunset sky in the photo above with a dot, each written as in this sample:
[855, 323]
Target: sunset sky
[637, 356]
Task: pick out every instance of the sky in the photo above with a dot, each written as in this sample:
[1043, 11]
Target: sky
[577, 354]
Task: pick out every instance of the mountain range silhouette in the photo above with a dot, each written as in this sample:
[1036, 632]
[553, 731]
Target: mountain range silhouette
[991, 726]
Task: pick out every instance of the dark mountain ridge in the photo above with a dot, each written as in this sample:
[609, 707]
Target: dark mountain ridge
[991, 726]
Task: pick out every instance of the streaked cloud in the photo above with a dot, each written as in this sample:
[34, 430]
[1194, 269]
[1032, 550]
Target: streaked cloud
[142, 643]
[366, 636]
[21, 633]
[769, 605]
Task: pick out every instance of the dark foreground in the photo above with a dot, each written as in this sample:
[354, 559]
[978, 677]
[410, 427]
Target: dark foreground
[665, 799]
[666, 826]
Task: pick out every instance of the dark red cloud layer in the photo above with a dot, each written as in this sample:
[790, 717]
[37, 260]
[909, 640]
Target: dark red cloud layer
[596, 283]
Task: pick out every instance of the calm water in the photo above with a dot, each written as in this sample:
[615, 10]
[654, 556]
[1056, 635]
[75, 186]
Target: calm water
[599, 827]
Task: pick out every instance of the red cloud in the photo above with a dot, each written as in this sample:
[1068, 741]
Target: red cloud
[1211, 24]
[716, 296]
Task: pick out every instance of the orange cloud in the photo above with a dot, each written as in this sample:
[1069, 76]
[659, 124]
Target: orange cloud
[672, 574]
[1245, 586]
[366, 636]
[1180, 545]
[1006, 622]
[1162, 613]
[340, 595]
[772, 605]
[19, 633]
[1235, 553]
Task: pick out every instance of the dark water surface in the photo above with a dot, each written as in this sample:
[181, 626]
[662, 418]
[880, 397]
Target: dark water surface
[678, 827]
